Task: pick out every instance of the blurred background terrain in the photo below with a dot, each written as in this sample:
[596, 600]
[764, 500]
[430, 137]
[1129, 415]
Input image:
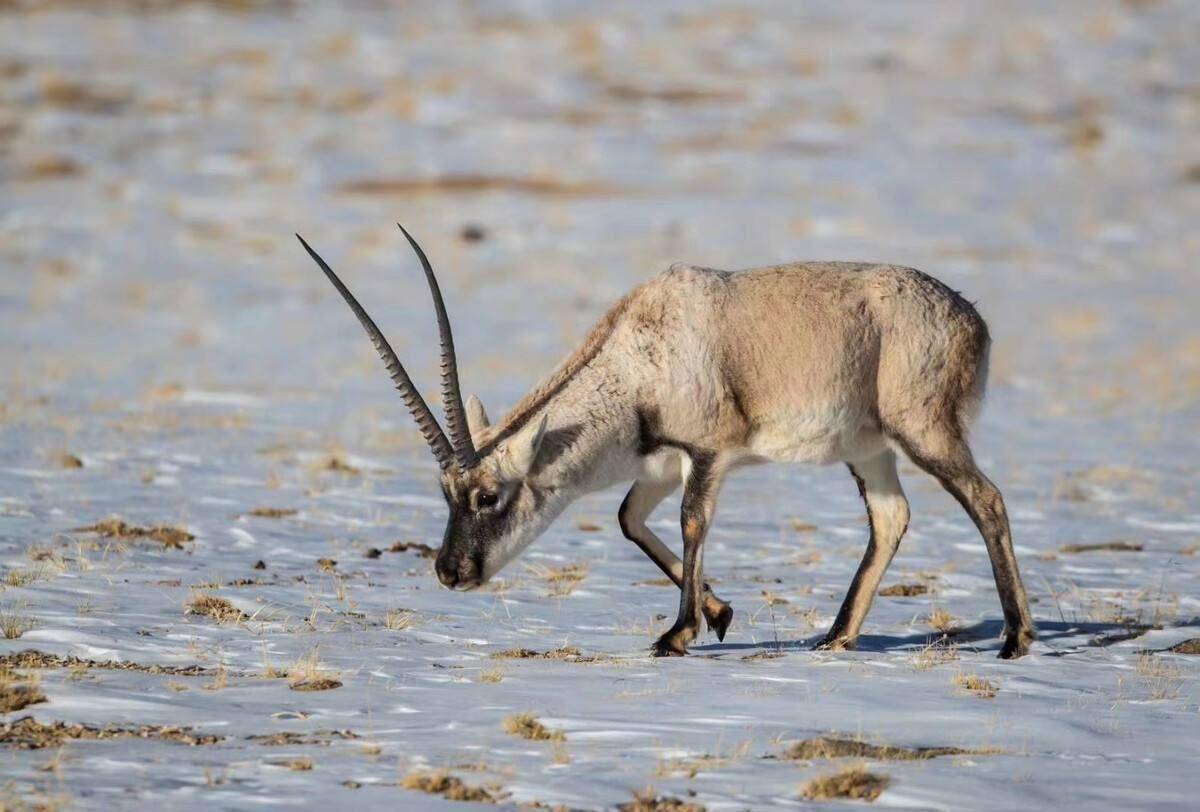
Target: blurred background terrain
[170, 357]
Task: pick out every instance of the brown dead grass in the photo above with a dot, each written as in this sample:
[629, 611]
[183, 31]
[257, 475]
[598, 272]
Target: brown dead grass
[306, 674]
[27, 733]
[976, 685]
[527, 726]
[51, 166]
[173, 538]
[855, 783]
[215, 607]
[561, 581]
[942, 621]
[440, 782]
[31, 658]
[1107, 546]
[649, 801]
[832, 747]
[903, 590]
[18, 691]
[1162, 679]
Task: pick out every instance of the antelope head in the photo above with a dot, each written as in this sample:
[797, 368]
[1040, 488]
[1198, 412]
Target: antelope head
[496, 507]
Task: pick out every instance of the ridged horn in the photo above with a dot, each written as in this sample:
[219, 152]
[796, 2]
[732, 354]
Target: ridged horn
[452, 401]
[426, 422]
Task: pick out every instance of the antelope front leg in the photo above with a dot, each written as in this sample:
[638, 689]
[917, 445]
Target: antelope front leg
[699, 500]
[641, 500]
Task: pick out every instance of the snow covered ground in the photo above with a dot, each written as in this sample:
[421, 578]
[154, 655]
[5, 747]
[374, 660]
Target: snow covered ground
[171, 358]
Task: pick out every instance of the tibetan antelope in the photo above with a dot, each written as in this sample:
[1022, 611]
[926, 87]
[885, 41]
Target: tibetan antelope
[698, 371]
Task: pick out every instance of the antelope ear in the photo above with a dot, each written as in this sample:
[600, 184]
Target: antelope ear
[477, 419]
[522, 449]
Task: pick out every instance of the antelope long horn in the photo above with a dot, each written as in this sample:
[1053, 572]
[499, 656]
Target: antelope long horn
[452, 401]
[426, 422]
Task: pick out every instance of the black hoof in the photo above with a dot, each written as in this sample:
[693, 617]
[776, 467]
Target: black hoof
[720, 623]
[1017, 645]
[673, 643]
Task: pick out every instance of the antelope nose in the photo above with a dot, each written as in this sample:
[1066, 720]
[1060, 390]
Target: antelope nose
[447, 575]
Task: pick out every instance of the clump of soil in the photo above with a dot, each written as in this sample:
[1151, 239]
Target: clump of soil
[903, 590]
[69, 461]
[326, 564]
[855, 783]
[413, 546]
[527, 726]
[18, 691]
[372, 552]
[648, 801]
[565, 653]
[449, 787]
[217, 608]
[765, 654]
[338, 465]
[1187, 646]
[315, 684]
[173, 538]
[31, 658]
[272, 513]
[27, 733]
[1107, 546]
[288, 737]
[829, 747]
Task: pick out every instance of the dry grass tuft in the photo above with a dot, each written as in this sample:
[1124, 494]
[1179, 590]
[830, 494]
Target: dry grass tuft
[173, 538]
[18, 691]
[439, 782]
[648, 801]
[27, 733]
[936, 653]
[903, 590]
[1161, 678]
[287, 738]
[217, 608]
[15, 621]
[942, 621]
[398, 620]
[527, 726]
[974, 684]
[855, 783]
[560, 580]
[491, 675]
[306, 675]
[830, 747]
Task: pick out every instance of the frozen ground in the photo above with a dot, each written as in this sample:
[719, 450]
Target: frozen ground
[160, 327]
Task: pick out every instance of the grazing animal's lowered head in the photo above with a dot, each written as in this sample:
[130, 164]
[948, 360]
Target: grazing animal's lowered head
[698, 371]
[497, 507]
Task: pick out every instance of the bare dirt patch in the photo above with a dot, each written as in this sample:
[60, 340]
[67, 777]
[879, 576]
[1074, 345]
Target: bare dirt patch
[832, 747]
[272, 513]
[462, 184]
[1186, 647]
[424, 550]
[288, 737]
[649, 801]
[173, 538]
[568, 654]
[1107, 546]
[903, 590]
[27, 733]
[315, 684]
[31, 658]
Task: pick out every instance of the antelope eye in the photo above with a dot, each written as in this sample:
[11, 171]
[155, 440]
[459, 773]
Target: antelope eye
[486, 499]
